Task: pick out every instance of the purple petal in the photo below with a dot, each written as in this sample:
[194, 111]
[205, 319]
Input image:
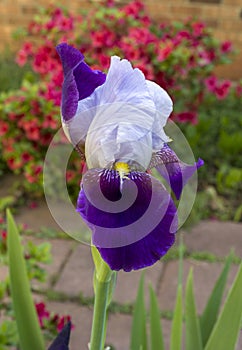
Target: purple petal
[79, 79]
[62, 340]
[133, 222]
[174, 171]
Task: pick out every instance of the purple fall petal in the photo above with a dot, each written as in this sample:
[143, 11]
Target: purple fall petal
[79, 79]
[174, 171]
[62, 340]
[133, 226]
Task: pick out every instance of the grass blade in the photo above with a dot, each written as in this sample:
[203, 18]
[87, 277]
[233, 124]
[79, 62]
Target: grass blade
[27, 321]
[226, 329]
[156, 334]
[176, 328]
[138, 331]
[211, 310]
[193, 333]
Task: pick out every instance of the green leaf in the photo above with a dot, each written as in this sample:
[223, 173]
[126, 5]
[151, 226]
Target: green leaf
[138, 331]
[193, 333]
[156, 334]
[226, 329]
[27, 321]
[211, 310]
[176, 328]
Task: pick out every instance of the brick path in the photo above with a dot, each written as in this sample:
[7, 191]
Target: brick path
[70, 276]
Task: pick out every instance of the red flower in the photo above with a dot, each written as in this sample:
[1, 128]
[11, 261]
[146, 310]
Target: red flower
[42, 313]
[222, 90]
[21, 58]
[26, 157]
[226, 47]
[62, 321]
[3, 128]
[4, 235]
[187, 116]
[133, 9]
[164, 51]
[211, 83]
[198, 28]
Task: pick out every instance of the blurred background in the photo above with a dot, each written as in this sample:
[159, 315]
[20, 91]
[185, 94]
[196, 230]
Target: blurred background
[192, 48]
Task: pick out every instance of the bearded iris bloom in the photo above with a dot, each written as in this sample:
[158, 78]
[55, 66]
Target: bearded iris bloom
[116, 122]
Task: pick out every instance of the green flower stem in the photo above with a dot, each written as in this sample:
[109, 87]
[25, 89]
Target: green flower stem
[104, 279]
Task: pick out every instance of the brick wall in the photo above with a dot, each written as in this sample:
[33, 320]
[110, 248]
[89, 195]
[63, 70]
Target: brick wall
[223, 16]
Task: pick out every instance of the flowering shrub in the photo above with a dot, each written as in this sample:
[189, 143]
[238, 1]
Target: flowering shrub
[180, 57]
[217, 138]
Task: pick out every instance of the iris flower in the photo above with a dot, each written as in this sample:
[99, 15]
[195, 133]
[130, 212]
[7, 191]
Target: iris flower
[116, 122]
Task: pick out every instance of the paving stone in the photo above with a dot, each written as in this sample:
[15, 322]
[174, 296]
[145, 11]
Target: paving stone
[82, 320]
[118, 331]
[205, 275]
[215, 237]
[128, 282]
[60, 250]
[37, 218]
[118, 326]
[77, 274]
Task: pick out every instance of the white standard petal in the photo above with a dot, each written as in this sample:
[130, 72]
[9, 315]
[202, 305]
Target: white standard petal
[122, 126]
[164, 105]
[76, 128]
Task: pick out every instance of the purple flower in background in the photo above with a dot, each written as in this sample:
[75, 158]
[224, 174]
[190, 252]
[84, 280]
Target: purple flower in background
[116, 122]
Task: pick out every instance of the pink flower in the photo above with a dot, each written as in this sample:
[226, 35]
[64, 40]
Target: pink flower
[187, 116]
[70, 174]
[42, 313]
[102, 38]
[198, 28]
[164, 52]
[21, 58]
[14, 164]
[238, 90]
[221, 91]
[62, 321]
[3, 128]
[133, 9]
[211, 83]
[226, 47]
[4, 235]
[26, 157]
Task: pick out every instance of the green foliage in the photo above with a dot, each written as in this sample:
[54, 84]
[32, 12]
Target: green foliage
[217, 139]
[210, 313]
[217, 328]
[7, 65]
[176, 330]
[138, 339]
[226, 330]
[35, 257]
[156, 334]
[29, 332]
[193, 331]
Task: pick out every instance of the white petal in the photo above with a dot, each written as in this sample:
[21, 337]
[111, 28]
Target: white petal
[76, 128]
[164, 106]
[119, 133]
[124, 119]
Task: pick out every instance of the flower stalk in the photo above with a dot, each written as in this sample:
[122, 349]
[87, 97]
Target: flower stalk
[104, 282]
